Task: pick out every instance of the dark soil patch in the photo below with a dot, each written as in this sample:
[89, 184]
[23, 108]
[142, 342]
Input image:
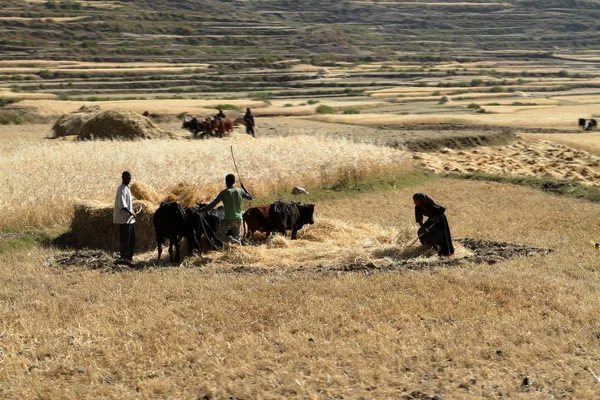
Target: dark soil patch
[90, 259]
[485, 252]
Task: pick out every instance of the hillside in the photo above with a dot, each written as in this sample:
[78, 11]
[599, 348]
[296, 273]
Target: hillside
[266, 31]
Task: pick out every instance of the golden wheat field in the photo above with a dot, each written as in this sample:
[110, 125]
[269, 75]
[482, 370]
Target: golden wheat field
[67, 171]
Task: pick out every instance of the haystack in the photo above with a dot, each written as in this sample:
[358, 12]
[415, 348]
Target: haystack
[141, 191]
[92, 226]
[445, 99]
[121, 124]
[520, 94]
[71, 124]
[186, 194]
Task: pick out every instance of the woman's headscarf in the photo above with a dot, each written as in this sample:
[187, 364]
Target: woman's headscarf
[423, 198]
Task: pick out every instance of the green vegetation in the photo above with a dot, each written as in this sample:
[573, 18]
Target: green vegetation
[323, 109]
[351, 111]
[225, 107]
[347, 186]
[311, 101]
[474, 106]
[20, 241]
[518, 103]
[10, 118]
[260, 95]
[4, 101]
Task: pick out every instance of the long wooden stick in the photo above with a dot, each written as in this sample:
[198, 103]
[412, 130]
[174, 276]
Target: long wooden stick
[234, 163]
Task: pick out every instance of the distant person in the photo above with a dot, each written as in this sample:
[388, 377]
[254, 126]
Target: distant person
[146, 114]
[124, 216]
[220, 114]
[435, 231]
[249, 122]
[232, 202]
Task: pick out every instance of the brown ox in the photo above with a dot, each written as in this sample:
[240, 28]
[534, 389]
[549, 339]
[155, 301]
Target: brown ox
[257, 219]
[222, 126]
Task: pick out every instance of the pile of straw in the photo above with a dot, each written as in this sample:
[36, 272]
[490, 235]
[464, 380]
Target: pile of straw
[141, 191]
[121, 124]
[187, 194]
[71, 124]
[92, 226]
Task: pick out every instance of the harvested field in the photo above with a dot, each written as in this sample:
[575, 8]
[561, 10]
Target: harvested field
[524, 158]
[564, 117]
[415, 137]
[167, 329]
[589, 141]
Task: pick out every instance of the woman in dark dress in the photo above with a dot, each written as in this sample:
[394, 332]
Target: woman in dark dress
[435, 231]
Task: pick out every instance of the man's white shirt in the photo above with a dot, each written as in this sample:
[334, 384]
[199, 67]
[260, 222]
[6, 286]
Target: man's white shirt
[123, 199]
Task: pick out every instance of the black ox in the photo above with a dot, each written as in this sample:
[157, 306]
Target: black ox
[588, 125]
[174, 222]
[290, 216]
[196, 126]
[205, 223]
[170, 221]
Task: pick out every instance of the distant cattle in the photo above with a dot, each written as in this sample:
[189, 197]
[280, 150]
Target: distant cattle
[222, 126]
[592, 125]
[205, 223]
[257, 219]
[588, 124]
[197, 126]
[290, 216]
[170, 222]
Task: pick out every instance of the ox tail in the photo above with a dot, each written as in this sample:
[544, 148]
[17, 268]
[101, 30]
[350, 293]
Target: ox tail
[244, 225]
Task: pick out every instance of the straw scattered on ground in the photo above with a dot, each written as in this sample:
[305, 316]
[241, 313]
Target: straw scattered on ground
[523, 158]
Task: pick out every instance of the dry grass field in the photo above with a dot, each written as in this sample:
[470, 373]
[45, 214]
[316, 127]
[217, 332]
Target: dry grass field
[584, 141]
[181, 332]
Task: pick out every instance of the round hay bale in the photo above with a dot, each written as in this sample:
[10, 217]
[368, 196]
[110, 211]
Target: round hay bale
[92, 226]
[121, 124]
[520, 94]
[71, 124]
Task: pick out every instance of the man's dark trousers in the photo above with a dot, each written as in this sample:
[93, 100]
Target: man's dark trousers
[127, 240]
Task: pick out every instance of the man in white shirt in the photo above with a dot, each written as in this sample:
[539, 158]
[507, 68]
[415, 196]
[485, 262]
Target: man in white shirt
[124, 216]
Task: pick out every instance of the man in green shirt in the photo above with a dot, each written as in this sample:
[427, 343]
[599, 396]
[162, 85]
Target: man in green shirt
[232, 202]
